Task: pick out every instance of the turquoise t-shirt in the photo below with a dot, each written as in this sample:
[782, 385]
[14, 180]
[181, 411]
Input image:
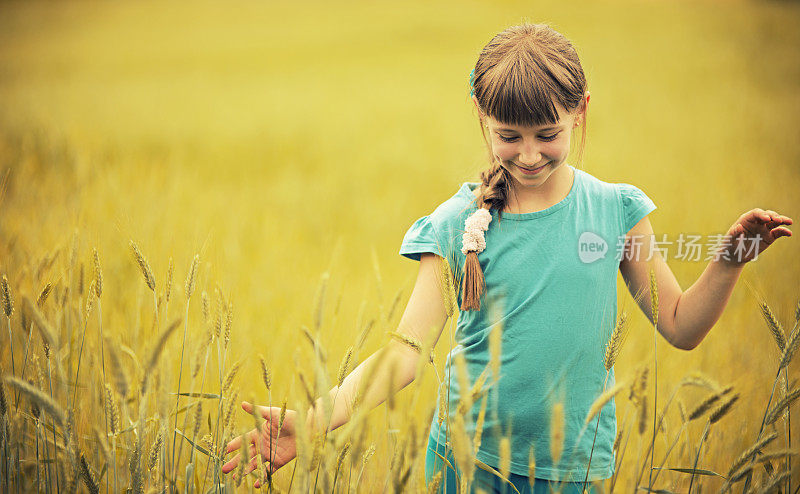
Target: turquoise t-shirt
[551, 281]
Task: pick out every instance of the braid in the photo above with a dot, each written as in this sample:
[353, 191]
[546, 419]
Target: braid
[494, 187]
[493, 195]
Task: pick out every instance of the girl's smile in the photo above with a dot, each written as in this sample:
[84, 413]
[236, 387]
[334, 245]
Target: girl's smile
[531, 171]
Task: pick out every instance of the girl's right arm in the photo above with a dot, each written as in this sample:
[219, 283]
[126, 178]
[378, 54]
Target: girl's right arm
[423, 320]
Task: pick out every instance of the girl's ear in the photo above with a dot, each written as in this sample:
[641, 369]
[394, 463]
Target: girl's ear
[582, 109]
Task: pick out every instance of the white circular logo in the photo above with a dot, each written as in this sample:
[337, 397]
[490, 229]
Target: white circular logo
[591, 247]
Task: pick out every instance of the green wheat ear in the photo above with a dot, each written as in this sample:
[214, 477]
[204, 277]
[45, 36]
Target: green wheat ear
[653, 296]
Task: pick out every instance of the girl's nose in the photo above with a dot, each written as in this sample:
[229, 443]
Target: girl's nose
[529, 155]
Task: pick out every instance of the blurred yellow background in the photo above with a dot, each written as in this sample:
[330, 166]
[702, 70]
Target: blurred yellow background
[280, 140]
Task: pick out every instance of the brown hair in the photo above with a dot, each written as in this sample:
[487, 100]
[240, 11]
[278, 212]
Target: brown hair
[521, 75]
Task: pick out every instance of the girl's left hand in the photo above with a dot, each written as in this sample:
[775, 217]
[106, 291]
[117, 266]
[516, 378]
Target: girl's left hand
[751, 234]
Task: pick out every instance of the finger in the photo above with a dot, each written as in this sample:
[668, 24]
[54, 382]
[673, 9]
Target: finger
[231, 465]
[257, 485]
[236, 443]
[248, 407]
[782, 220]
[233, 445]
[265, 412]
[251, 465]
[756, 215]
[777, 219]
[781, 231]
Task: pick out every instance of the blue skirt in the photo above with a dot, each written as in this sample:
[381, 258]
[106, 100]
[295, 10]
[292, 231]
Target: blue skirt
[489, 482]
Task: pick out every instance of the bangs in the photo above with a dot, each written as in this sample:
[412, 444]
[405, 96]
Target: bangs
[524, 94]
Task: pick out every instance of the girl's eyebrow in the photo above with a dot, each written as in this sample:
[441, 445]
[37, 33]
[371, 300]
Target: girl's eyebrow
[553, 127]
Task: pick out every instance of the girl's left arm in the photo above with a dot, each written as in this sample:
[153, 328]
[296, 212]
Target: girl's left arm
[686, 317]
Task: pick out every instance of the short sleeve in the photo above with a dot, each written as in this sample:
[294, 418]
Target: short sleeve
[635, 205]
[421, 237]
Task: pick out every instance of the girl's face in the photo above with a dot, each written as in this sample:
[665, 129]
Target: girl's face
[532, 154]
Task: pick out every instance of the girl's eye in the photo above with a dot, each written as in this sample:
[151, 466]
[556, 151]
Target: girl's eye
[544, 138]
[550, 138]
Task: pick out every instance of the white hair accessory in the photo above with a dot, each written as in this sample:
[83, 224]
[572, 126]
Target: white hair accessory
[475, 225]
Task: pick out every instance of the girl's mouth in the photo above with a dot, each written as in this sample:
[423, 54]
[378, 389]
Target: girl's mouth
[531, 171]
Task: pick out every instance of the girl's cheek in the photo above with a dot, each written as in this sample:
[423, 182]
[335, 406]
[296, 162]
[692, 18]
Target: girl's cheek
[554, 149]
[504, 151]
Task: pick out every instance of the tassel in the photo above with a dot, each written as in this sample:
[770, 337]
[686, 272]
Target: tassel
[473, 285]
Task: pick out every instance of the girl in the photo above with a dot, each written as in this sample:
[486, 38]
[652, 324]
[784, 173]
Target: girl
[531, 243]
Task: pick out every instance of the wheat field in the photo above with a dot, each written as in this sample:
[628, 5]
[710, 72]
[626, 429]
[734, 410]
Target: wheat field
[210, 198]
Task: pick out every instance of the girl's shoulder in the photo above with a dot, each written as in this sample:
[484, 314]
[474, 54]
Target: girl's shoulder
[618, 190]
[457, 208]
[630, 202]
[459, 205]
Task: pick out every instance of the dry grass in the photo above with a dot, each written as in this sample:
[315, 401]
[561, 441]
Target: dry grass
[151, 460]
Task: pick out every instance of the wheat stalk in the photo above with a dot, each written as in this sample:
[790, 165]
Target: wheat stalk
[230, 376]
[602, 400]
[339, 460]
[155, 449]
[723, 409]
[791, 347]
[556, 432]
[505, 456]
[411, 342]
[144, 266]
[785, 402]
[707, 403]
[479, 426]
[120, 378]
[198, 418]
[616, 341]
[435, 483]
[654, 313]
[155, 353]
[742, 465]
[532, 467]
[344, 367]
[8, 301]
[462, 449]
[446, 286]
[774, 326]
[39, 397]
[45, 330]
[88, 477]
[3, 402]
[775, 480]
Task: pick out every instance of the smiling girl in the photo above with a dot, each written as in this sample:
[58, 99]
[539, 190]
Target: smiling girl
[513, 240]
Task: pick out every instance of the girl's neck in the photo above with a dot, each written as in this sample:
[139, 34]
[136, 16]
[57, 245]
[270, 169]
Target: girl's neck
[532, 199]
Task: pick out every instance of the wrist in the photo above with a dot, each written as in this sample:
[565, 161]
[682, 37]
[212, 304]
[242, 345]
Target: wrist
[315, 419]
[311, 423]
[729, 264]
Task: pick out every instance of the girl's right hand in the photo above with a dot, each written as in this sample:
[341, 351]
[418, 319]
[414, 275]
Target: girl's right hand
[276, 450]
